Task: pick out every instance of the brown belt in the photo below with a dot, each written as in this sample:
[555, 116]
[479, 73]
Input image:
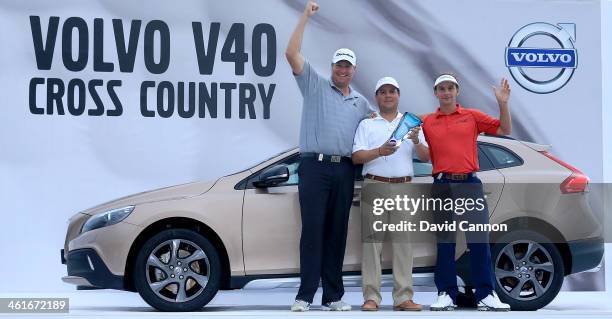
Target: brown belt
[403, 179]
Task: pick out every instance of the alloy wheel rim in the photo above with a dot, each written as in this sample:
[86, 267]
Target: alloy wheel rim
[177, 270]
[524, 270]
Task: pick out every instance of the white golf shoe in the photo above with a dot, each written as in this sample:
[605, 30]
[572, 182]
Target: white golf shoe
[444, 303]
[492, 303]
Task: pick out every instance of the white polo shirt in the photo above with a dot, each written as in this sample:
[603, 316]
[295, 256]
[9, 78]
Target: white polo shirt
[372, 133]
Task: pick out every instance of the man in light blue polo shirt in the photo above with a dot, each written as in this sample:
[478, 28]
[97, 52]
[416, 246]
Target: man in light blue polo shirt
[330, 115]
[389, 166]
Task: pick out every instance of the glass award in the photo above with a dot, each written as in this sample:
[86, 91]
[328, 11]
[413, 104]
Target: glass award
[406, 123]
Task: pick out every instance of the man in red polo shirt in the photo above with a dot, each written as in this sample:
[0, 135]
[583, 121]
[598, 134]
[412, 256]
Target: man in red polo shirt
[451, 133]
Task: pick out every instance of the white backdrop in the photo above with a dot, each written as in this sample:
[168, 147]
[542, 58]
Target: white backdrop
[54, 165]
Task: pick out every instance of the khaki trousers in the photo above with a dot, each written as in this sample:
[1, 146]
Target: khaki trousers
[372, 252]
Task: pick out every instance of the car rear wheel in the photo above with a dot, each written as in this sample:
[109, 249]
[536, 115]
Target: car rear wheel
[528, 270]
[177, 270]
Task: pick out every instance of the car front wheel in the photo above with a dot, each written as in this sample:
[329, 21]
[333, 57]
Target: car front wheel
[528, 270]
[177, 270]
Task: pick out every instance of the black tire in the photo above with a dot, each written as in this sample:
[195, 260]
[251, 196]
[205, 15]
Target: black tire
[160, 278]
[539, 275]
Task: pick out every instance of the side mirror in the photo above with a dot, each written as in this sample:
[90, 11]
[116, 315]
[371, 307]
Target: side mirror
[272, 176]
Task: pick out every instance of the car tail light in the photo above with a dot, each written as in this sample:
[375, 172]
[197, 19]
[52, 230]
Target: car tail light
[575, 183]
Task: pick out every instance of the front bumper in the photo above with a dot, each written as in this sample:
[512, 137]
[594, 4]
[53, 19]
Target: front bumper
[586, 254]
[87, 270]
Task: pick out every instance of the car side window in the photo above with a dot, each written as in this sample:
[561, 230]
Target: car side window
[501, 156]
[421, 168]
[483, 161]
[293, 173]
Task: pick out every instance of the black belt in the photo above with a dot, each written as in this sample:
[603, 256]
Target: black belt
[327, 158]
[454, 176]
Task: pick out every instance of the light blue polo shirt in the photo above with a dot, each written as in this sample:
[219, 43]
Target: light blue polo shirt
[329, 119]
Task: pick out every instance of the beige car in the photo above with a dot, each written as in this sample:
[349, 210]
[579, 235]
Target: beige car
[179, 245]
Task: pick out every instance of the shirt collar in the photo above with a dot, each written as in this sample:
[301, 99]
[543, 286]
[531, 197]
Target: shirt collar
[379, 117]
[351, 91]
[458, 110]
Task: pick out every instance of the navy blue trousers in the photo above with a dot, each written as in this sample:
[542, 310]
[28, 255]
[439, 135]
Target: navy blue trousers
[326, 194]
[477, 242]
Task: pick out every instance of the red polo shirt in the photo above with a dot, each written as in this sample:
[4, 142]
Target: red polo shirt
[452, 138]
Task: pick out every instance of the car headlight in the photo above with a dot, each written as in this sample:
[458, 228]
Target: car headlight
[107, 218]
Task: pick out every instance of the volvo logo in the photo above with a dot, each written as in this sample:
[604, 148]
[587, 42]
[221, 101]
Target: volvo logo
[520, 57]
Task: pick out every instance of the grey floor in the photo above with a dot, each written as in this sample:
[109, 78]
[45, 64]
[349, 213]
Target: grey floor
[275, 303]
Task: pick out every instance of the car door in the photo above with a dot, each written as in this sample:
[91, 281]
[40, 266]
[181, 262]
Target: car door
[271, 224]
[492, 179]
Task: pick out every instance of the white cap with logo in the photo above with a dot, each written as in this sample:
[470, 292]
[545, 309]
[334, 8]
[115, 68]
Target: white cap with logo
[386, 80]
[345, 54]
[445, 78]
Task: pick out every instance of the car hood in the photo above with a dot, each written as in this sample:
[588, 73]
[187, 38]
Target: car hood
[157, 195]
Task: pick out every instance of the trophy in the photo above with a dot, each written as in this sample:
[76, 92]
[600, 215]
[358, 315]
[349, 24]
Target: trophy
[406, 123]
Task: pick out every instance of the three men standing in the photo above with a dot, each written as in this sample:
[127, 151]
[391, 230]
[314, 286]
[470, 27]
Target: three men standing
[330, 115]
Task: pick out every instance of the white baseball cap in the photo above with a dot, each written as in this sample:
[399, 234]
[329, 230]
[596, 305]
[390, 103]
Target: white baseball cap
[445, 78]
[345, 54]
[386, 80]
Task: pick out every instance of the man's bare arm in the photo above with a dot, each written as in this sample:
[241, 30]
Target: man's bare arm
[502, 94]
[293, 55]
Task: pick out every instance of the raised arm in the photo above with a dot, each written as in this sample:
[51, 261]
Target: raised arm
[294, 57]
[502, 94]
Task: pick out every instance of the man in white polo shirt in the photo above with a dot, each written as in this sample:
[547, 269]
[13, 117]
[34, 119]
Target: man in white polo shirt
[391, 165]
